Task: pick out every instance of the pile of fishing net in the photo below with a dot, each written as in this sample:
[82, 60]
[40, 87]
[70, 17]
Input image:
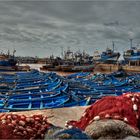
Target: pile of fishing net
[13, 126]
[111, 117]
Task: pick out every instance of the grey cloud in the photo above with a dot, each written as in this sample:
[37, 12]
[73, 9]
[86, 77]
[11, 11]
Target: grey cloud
[115, 23]
[41, 25]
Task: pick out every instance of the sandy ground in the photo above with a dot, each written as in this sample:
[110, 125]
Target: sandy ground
[58, 116]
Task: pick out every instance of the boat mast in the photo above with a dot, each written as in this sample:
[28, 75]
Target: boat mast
[131, 43]
[113, 45]
[62, 53]
[8, 53]
[14, 52]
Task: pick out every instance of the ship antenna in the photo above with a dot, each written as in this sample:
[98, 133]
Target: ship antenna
[62, 52]
[8, 53]
[113, 45]
[131, 43]
[14, 52]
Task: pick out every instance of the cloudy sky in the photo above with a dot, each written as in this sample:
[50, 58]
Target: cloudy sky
[43, 28]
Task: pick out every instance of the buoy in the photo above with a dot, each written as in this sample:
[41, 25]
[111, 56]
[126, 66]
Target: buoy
[135, 108]
[125, 119]
[96, 118]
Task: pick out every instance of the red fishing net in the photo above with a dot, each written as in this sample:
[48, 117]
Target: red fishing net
[13, 126]
[125, 108]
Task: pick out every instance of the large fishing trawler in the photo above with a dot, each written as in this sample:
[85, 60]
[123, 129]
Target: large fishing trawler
[7, 59]
[132, 54]
[106, 56]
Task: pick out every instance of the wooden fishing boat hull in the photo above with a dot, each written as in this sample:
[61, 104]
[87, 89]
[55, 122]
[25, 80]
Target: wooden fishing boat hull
[32, 97]
[77, 68]
[2, 103]
[85, 68]
[36, 105]
[35, 84]
[84, 102]
[35, 96]
[37, 89]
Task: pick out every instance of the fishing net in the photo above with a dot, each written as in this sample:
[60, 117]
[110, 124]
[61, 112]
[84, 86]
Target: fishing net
[13, 126]
[125, 108]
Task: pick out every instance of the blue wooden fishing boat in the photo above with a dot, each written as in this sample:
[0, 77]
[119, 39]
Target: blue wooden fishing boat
[49, 87]
[120, 74]
[31, 73]
[2, 103]
[2, 97]
[36, 90]
[36, 96]
[3, 110]
[78, 75]
[93, 93]
[108, 94]
[22, 74]
[115, 90]
[33, 79]
[35, 84]
[97, 93]
[37, 104]
[31, 96]
[120, 85]
[20, 80]
[82, 102]
[41, 88]
[75, 100]
[136, 88]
